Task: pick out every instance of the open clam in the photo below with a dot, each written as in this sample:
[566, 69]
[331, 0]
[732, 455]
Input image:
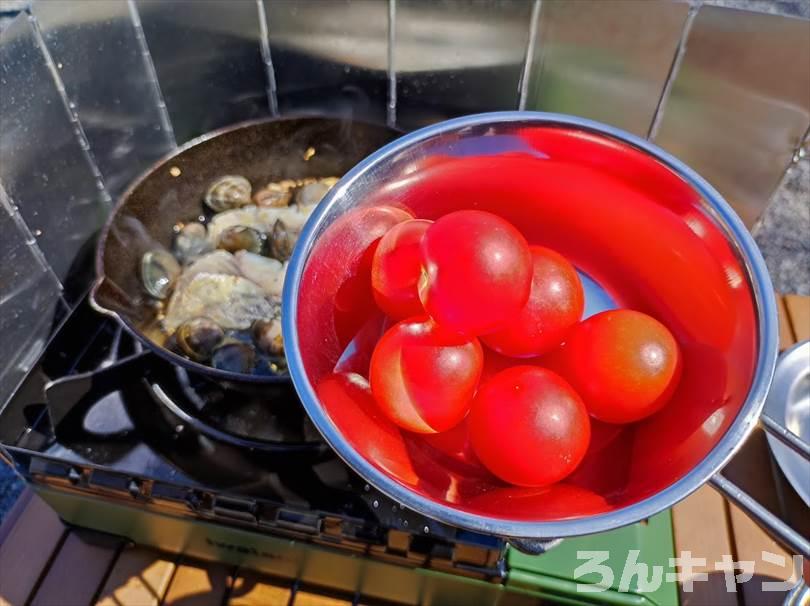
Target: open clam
[199, 337]
[191, 242]
[159, 270]
[239, 237]
[230, 191]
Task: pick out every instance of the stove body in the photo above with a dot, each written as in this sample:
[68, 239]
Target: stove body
[95, 92]
[104, 433]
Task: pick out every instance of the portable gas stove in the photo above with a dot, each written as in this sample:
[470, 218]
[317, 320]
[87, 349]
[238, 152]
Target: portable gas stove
[119, 440]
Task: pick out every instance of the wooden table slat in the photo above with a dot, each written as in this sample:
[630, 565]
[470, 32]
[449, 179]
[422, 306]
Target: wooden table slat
[139, 577]
[753, 468]
[76, 573]
[198, 584]
[701, 526]
[750, 541]
[799, 310]
[305, 598]
[251, 589]
[21, 565]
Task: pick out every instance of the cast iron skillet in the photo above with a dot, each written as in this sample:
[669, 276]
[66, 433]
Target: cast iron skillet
[172, 191]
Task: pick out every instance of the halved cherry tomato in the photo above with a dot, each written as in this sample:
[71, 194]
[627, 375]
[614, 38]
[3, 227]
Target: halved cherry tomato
[424, 377]
[624, 364]
[555, 304]
[396, 269]
[529, 427]
[478, 272]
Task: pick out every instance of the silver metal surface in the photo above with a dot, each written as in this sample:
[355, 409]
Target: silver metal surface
[357, 183]
[740, 102]
[108, 84]
[785, 436]
[605, 60]
[267, 57]
[330, 56]
[208, 59]
[45, 168]
[798, 596]
[456, 57]
[30, 295]
[788, 405]
[783, 533]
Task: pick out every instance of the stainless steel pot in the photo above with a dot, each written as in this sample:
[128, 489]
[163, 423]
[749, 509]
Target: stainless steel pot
[384, 175]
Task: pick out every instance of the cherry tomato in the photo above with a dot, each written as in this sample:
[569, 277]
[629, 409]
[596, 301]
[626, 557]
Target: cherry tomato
[556, 502]
[624, 364]
[348, 401]
[335, 300]
[478, 272]
[424, 377]
[555, 304]
[396, 269]
[529, 427]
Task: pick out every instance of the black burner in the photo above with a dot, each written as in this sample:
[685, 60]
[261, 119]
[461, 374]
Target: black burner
[266, 417]
[99, 412]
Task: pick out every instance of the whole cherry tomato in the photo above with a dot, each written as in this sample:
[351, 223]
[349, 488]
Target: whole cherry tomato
[529, 427]
[396, 269]
[347, 399]
[423, 376]
[624, 363]
[555, 304]
[478, 272]
[335, 299]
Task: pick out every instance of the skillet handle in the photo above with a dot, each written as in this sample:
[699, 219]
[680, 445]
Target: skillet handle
[775, 527]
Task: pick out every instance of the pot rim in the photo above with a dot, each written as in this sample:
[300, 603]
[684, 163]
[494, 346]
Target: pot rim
[745, 421]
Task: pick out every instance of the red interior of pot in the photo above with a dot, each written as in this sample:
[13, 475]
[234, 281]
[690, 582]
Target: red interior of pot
[621, 217]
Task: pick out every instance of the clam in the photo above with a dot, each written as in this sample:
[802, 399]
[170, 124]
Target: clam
[265, 272]
[267, 336]
[234, 356]
[191, 242]
[233, 302]
[274, 195]
[199, 337]
[312, 193]
[294, 217]
[215, 262]
[281, 241]
[230, 191]
[247, 216]
[159, 269]
[239, 237]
